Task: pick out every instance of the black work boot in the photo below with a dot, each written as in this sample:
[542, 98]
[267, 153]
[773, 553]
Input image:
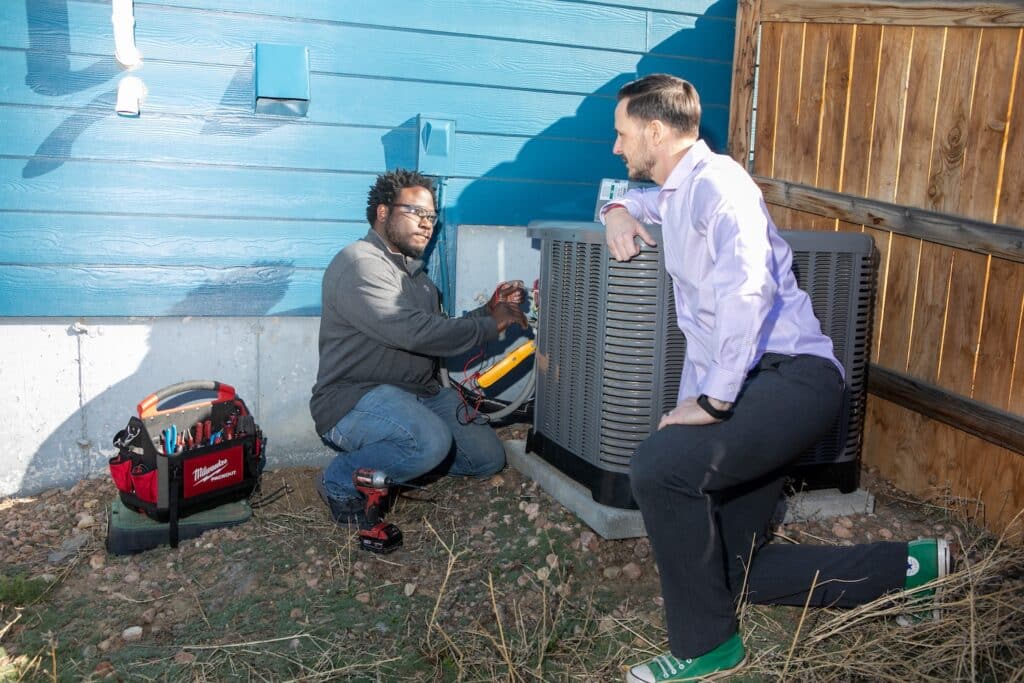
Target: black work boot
[349, 512]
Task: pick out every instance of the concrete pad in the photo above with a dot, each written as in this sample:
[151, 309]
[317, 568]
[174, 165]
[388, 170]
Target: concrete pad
[609, 522]
[615, 523]
[808, 506]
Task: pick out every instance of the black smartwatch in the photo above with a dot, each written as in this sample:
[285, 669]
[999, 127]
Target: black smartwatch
[714, 412]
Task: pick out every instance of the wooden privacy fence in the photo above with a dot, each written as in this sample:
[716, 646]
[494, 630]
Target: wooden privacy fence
[906, 120]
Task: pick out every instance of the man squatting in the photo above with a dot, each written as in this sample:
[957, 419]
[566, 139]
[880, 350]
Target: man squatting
[377, 399]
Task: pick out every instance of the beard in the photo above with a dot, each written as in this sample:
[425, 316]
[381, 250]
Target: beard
[641, 169]
[403, 243]
[640, 166]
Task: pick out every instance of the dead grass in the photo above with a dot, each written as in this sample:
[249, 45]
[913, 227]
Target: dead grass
[481, 608]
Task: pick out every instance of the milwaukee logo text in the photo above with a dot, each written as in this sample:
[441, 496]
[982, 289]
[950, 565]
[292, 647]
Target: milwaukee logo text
[214, 472]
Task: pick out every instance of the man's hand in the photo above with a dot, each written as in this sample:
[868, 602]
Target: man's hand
[511, 291]
[505, 314]
[689, 413]
[621, 231]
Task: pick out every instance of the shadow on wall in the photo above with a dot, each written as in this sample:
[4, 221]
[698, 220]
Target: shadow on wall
[49, 73]
[76, 447]
[522, 201]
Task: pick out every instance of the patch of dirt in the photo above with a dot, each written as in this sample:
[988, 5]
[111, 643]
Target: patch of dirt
[493, 575]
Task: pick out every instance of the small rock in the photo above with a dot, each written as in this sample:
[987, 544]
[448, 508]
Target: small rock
[588, 540]
[409, 589]
[131, 577]
[845, 521]
[149, 615]
[497, 481]
[132, 633]
[659, 601]
[103, 669]
[885, 533]
[642, 548]
[68, 548]
[312, 583]
[612, 572]
[184, 657]
[605, 624]
[631, 571]
[85, 520]
[106, 644]
[532, 542]
[543, 573]
[532, 510]
[552, 560]
[296, 613]
[840, 531]
[97, 560]
[363, 598]
[475, 530]
[522, 580]
[295, 643]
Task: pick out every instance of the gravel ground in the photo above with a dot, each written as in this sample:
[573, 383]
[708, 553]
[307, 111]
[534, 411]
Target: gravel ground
[475, 553]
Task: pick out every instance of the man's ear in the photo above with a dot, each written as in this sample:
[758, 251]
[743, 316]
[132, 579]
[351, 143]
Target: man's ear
[656, 129]
[382, 212]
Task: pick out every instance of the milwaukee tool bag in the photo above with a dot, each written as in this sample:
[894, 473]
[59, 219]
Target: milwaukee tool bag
[174, 461]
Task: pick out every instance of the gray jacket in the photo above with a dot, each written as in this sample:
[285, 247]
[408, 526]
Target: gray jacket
[381, 323]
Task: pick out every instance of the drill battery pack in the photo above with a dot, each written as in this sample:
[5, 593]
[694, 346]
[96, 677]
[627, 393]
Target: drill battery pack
[183, 455]
[382, 538]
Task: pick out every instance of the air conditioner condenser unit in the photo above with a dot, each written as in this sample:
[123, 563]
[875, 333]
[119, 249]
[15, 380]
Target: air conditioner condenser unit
[610, 354]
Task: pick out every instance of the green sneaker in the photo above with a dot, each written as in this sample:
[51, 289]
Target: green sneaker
[927, 560]
[720, 662]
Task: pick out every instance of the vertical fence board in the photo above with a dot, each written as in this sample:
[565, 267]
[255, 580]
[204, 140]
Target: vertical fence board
[919, 117]
[1000, 324]
[904, 256]
[890, 103]
[860, 118]
[952, 118]
[768, 89]
[882, 239]
[960, 343]
[988, 123]
[811, 104]
[836, 92]
[1010, 206]
[929, 311]
[787, 112]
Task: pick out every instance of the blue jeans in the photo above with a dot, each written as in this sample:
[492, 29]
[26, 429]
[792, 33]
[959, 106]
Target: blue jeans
[407, 436]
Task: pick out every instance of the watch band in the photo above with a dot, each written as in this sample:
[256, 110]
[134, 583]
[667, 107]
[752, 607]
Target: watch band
[714, 412]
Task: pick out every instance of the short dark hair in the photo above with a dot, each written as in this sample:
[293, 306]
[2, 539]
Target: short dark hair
[385, 190]
[665, 98]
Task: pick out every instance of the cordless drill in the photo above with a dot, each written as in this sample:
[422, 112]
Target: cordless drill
[381, 537]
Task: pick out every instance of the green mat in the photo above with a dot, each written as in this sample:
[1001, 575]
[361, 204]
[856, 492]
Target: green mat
[131, 532]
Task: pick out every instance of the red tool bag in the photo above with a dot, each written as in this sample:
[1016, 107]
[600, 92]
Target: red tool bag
[176, 461]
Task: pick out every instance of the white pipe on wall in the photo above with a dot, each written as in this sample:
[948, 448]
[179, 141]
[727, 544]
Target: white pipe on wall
[123, 19]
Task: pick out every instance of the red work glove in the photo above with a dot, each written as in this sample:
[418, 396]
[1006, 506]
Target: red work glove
[511, 292]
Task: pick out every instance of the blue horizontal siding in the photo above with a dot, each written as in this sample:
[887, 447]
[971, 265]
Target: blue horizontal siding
[197, 204]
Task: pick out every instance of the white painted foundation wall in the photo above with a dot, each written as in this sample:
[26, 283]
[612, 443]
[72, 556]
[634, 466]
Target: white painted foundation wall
[68, 385]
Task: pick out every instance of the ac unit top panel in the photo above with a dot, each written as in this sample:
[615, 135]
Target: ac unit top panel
[591, 232]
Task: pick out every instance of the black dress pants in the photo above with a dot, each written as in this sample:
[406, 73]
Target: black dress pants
[707, 495]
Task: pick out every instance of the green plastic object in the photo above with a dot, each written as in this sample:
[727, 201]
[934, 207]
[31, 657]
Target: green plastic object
[130, 532]
[282, 79]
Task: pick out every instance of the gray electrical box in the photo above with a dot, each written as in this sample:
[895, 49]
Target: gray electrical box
[610, 353]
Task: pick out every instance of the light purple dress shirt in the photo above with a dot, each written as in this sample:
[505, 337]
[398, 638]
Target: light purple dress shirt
[736, 295]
